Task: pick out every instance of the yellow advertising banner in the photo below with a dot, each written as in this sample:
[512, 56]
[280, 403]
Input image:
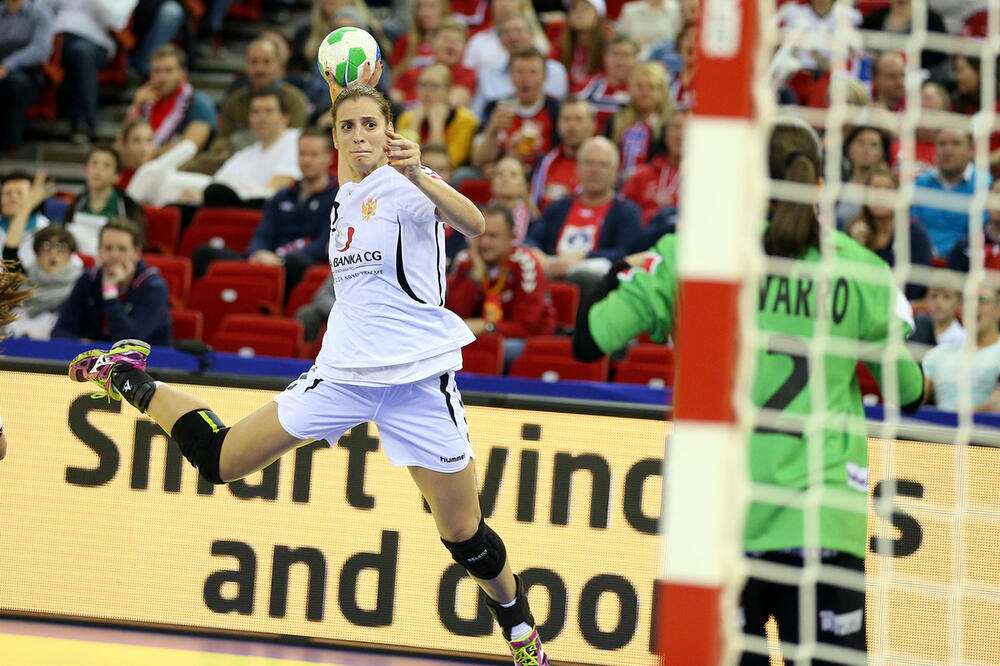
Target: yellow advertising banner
[101, 520]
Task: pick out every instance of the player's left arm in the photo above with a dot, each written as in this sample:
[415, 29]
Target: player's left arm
[453, 207]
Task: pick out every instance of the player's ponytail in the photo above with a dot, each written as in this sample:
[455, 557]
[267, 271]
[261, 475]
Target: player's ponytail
[12, 293]
[794, 156]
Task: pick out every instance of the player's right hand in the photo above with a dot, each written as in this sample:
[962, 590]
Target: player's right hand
[367, 77]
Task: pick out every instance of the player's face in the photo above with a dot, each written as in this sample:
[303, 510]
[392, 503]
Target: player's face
[117, 249]
[165, 74]
[942, 303]
[138, 148]
[13, 196]
[575, 124]
[314, 157]
[508, 179]
[100, 171]
[495, 241]
[360, 134]
[619, 61]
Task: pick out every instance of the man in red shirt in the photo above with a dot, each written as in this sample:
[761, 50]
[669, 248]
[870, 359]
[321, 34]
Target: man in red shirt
[555, 176]
[657, 185]
[447, 45]
[498, 286]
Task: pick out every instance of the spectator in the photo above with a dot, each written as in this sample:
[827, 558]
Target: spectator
[812, 31]
[52, 277]
[944, 365]
[956, 12]
[592, 224]
[933, 100]
[498, 286]
[897, 19]
[25, 45]
[681, 89]
[435, 156]
[21, 198]
[608, 90]
[170, 103]
[879, 216]
[135, 144]
[509, 188]
[315, 313]
[308, 35]
[119, 298]
[958, 259]
[524, 125]
[657, 185]
[638, 127]
[87, 48]
[650, 23]
[967, 98]
[954, 173]
[100, 200]
[484, 49]
[583, 42]
[497, 82]
[447, 44]
[865, 147]
[264, 73]
[434, 119]
[413, 49]
[155, 23]
[939, 325]
[295, 226]
[888, 81]
[555, 176]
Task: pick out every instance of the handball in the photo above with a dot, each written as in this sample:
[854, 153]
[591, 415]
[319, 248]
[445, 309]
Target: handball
[343, 54]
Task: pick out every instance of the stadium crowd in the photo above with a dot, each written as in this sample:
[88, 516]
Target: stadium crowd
[564, 120]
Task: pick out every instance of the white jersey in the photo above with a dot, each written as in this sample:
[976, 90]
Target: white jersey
[389, 324]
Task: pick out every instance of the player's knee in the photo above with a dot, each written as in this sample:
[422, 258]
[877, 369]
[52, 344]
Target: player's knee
[200, 434]
[483, 554]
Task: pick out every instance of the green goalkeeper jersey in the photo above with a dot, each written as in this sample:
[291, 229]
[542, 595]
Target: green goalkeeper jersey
[858, 313]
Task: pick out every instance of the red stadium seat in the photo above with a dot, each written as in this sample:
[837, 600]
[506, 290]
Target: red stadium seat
[566, 299]
[246, 10]
[484, 356]
[218, 296]
[866, 7]
[644, 373]
[116, 71]
[650, 352]
[176, 272]
[284, 328]
[304, 291]
[88, 260]
[242, 269]
[187, 324]
[312, 349]
[163, 228]
[550, 357]
[477, 189]
[235, 238]
[239, 217]
[247, 344]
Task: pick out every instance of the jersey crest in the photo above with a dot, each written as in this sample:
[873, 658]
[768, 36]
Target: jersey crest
[368, 208]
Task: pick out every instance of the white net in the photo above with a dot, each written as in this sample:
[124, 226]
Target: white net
[908, 119]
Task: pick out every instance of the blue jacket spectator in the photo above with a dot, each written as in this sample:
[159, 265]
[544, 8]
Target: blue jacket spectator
[26, 35]
[295, 227]
[954, 173]
[121, 297]
[620, 232]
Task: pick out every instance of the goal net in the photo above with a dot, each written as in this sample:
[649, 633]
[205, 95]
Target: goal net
[904, 101]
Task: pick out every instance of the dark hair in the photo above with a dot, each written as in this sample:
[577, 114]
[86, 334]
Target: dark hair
[271, 92]
[11, 293]
[16, 175]
[110, 150]
[858, 129]
[128, 226]
[131, 124]
[794, 155]
[54, 233]
[357, 92]
[528, 53]
[171, 51]
[317, 133]
[501, 210]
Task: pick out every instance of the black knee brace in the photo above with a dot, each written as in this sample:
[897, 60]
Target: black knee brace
[511, 616]
[483, 555]
[199, 434]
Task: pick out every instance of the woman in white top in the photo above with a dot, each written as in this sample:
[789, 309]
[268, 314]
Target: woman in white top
[388, 356]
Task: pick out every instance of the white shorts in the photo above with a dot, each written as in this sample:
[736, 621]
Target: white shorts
[421, 424]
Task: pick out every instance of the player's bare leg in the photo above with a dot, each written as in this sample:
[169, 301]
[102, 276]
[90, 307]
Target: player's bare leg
[454, 502]
[253, 443]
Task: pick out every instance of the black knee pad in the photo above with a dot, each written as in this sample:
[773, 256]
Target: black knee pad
[511, 616]
[483, 555]
[199, 434]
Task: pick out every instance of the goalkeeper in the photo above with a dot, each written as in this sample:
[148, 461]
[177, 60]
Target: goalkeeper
[858, 305]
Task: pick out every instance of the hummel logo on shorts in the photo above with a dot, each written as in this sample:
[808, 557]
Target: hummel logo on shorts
[451, 460]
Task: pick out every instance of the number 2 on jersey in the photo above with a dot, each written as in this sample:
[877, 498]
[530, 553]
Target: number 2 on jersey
[796, 350]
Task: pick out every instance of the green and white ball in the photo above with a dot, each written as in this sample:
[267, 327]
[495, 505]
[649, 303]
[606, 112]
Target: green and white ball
[344, 52]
